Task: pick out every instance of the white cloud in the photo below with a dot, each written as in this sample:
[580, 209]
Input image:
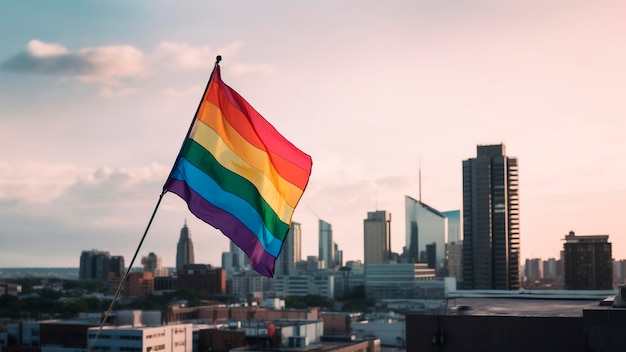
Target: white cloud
[183, 56]
[106, 65]
[112, 63]
[40, 49]
[113, 67]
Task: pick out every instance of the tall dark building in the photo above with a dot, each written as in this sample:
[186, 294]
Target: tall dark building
[588, 262]
[184, 249]
[100, 265]
[377, 237]
[491, 244]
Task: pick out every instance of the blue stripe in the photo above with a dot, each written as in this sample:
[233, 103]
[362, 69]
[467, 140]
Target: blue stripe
[208, 189]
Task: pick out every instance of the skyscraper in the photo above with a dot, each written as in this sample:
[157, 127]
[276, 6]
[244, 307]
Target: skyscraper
[100, 265]
[184, 249]
[491, 234]
[291, 252]
[152, 263]
[326, 245]
[588, 262]
[454, 226]
[234, 260]
[426, 232]
[377, 237]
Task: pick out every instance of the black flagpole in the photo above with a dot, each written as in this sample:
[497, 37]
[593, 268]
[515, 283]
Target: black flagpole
[156, 207]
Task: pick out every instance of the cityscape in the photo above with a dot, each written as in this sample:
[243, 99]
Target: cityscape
[352, 176]
[469, 254]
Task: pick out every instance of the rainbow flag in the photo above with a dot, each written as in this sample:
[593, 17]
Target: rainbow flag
[239, 175]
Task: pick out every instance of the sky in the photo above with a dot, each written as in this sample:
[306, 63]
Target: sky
[96, 98]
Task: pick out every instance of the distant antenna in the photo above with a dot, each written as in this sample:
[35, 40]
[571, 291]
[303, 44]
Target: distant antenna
[313, 212]
[420, 178]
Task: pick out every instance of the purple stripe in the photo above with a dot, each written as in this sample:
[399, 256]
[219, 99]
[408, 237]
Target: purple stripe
[260, 260]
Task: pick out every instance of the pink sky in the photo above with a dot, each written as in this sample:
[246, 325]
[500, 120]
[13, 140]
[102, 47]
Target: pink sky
[93, 113]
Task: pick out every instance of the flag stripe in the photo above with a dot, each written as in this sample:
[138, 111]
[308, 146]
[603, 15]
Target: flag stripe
[231, 181]
[253, 127]
[213, 117]
[212, 193]
[260, 260]
[274, 189]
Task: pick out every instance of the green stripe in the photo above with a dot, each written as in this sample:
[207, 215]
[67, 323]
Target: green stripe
[236, 184]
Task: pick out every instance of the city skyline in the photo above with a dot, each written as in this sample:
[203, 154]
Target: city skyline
[94, 111]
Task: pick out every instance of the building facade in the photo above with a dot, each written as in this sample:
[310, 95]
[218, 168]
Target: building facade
[426, 233]
[291, 252]
[184, 249]
[455, 230]
[377, 237]
[491, 232]
[399, 280]
[203, 277]
[326, 244]
[174, 338]
[152, 263]
[588, 262]
[100, 265]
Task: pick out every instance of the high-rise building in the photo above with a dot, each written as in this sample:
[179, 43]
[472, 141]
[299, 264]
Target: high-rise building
[326, 245]
[291, 252]
[532, 269]
[491, 233]
[100, 265]
[338, 260]
[234, 260]
[116, 266]
[549, 268]
[377, 237]
[184, 249]
[455, 234]
[588, 262]
[152, 263]
[426, 232]
[454, 253]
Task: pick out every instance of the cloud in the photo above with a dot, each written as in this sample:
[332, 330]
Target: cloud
[112, 67]
[106, 65]
[183, 56]
[106, 186]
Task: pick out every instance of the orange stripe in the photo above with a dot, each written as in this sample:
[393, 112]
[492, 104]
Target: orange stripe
[255, 129]
[220, 121]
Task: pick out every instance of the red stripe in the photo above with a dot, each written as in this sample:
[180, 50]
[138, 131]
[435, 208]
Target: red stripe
[253, 127]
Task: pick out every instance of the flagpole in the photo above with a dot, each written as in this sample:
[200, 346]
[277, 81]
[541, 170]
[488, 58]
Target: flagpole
[121, 285]
[156, 207]
[218, 58]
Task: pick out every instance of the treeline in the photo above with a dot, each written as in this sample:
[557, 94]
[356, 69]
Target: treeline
[70, 298]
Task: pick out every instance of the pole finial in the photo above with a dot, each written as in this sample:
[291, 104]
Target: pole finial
[218, 59]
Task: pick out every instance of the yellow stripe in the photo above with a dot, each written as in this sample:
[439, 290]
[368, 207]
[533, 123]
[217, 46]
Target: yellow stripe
[281, 196]
[212, 116]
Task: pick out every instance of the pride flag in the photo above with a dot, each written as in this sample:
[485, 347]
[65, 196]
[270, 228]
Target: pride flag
[239, 175]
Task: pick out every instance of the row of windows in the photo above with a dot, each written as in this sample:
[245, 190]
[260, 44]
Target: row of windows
[158, 334]
[123, 337]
